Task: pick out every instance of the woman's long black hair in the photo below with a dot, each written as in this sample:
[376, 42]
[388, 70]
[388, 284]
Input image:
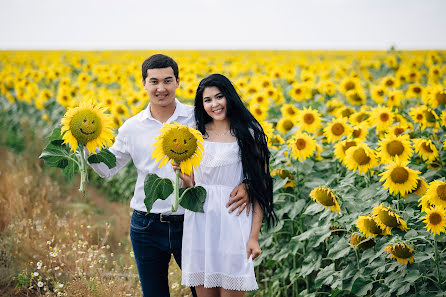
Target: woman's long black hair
[251, 140]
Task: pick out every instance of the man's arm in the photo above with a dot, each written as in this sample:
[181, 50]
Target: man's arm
[120, 150]
[239, 199]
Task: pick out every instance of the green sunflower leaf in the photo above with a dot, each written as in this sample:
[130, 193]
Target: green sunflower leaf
[59, 156]
[104, 156]
[155, 188]
[193, 198]
[56, 137]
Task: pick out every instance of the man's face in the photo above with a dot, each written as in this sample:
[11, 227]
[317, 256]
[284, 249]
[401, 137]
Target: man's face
[161, 84]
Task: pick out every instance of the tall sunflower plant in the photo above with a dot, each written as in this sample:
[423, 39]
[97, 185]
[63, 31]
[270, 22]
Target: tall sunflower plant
[84, 126]
[183, 145]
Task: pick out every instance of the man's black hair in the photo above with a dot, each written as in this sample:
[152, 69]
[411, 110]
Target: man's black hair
[159, 61]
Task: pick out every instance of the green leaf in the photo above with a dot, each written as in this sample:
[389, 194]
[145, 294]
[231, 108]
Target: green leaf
[104, 156]
[60, 156]
[314, 209]
[193, 198]
[278, 184]
[325, 276]
[56, 137]
[361, 286]
[339, 250]
[296, 208]
[155, 188]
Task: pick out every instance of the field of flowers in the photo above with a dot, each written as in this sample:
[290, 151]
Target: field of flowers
[358, 153]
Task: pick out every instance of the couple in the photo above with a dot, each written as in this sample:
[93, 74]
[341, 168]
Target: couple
[218, 245]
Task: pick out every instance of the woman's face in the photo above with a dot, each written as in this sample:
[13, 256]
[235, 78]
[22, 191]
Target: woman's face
[214, 103]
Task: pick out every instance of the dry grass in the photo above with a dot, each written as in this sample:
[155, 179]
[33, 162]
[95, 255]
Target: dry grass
[53, 242]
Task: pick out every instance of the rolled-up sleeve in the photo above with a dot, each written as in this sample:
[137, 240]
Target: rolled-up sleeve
[121, 150]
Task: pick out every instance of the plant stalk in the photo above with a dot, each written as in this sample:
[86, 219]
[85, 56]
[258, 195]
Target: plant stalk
[82, 169]
[437, 260]
[176, 189]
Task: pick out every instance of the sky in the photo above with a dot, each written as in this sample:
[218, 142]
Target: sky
[222, 24]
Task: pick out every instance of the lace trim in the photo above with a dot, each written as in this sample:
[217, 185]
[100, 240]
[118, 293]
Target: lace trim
[239, 283]
[221, 157]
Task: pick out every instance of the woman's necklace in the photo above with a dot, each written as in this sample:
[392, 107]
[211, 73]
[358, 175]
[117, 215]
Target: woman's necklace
[220, 134]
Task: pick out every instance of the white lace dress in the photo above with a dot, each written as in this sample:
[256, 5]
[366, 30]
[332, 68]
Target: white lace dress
[214, 242]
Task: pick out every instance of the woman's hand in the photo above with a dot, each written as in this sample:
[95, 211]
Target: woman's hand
[187, 180]
[253, 248]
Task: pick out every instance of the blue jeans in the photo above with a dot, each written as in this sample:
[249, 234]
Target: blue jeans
[153, 244]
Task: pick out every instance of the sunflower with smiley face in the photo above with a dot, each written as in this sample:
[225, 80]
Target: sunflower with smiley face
[87, 125]
[181, 144]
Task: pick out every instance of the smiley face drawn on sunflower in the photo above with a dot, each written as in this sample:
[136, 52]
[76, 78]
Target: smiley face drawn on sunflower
[179, 144]
[85, 126]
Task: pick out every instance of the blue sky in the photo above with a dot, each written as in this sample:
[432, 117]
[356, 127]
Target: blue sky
[222, 24]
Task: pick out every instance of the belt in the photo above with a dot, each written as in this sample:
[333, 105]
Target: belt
[162, 217]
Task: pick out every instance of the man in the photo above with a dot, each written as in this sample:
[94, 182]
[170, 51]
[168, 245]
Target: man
[156, 235]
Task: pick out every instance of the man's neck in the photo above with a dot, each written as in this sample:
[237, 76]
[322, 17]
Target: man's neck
[162, 113]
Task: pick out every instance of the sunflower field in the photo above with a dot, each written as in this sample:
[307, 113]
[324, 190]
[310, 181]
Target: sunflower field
[358, 151]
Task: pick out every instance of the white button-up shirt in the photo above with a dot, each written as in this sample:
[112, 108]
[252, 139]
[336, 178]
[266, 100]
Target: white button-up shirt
[134, 142]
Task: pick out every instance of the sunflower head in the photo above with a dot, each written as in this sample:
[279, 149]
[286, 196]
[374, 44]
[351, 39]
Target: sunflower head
[362, 242]
[369, 227]
[360, 157]
[399, 178]
[387, 218]
[401, 252]
[326, 197]
[435, 220]
[436, 193]
[88, 125]
[181, 144]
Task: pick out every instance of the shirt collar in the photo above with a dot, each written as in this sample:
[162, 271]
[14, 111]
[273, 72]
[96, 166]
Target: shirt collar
[180, 111]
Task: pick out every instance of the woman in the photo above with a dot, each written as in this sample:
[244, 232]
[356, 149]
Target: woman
[219, 247]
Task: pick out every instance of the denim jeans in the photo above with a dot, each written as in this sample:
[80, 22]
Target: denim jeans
[153, 244]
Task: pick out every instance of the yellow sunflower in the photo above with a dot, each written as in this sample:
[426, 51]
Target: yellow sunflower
[443, 118]
[87, 124]
[309, 120]
[302, 145]
[393, 146]
[285, 124]
[283, 173]
[436, 193]
[399, 129]
[341, 148]
[368, 226]
[398, 178]
[359, 117]
[360, 131]
[326, 197]
[394, 98]
[179, 143]
[356, 97]
[362, 242]
[289, 111]
[425, 149]
[420, 189]
[382, 117]
[361, 158]
[387, 218]
[401, 252]
[435, 219]
[437, 96]
[336, 129]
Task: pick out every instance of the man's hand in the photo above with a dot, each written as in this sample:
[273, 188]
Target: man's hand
[253, 248]
[239, 199]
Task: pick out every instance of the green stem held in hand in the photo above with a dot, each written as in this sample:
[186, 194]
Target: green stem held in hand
[82, 169]
[176, 189]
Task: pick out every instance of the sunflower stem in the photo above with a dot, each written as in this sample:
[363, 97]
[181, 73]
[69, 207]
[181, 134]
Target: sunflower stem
[82, 169]
[436, 259]
[357, 259]
[176, 189]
